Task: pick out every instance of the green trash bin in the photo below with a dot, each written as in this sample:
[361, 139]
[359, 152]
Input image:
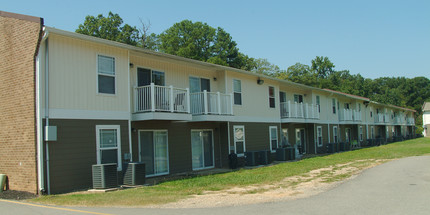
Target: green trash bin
[2, 182]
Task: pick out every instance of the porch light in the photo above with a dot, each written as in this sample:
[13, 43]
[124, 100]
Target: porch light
[260, 82]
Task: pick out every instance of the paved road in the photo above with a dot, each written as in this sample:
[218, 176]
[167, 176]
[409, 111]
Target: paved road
[397, 187]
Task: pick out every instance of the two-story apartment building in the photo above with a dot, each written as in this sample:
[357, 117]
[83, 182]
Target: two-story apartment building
[426, 119]
[94, 101]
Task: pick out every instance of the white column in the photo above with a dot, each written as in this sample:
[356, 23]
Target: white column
[152, 97]
[205, 101]
[219, 102]
[231, 105]
[171, 98]
[188, 100]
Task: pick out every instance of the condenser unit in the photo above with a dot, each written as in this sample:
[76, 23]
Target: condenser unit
[105, 176]
[134, 174]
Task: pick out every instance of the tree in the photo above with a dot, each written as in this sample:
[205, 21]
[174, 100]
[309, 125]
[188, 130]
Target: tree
[322, 66]
[110, 28]
[263, 66]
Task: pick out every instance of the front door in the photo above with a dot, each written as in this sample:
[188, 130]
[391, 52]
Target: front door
[153, 151]
[202, 149]
[301, 140]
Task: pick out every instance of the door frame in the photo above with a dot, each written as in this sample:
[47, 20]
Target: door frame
[213, 150]
[168, 155]
[304, 141]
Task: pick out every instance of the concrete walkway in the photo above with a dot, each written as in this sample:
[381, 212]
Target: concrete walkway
[397, 187]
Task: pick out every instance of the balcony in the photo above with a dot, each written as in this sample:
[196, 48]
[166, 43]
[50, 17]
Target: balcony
[379, 118]
[410, 121]
[349, 115]
[299, 110]
[399, 120]
[214, 103]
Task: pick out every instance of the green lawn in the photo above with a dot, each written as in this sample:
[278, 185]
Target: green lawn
[175, 190]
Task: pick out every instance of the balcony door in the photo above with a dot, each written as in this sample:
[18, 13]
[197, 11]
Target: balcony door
[197, 86]
[146, 77]
[202, 149]
[153, 151]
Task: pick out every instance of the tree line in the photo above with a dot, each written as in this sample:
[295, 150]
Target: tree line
[199, 41]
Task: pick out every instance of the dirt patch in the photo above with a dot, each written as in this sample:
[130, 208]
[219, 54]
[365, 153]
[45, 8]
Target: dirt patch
[311, 183]
[16, 195]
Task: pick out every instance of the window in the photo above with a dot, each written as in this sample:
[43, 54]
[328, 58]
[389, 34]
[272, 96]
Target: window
[237, 91]
[360, 131]
[108, 144]
[298, 98]
[333, 101]
[153, 151]
[273, 130]
[317, 98]
[239, 139]
[146, 77]
[272, 97]
[335, 138]
[106, 74]
[346, 106]
[319, 136]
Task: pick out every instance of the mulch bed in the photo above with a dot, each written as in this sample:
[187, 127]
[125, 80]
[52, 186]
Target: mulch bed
[16, 195]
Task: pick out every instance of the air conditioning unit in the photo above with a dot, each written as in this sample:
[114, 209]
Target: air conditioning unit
[105, 176]
[265, 157]
[281, 154]
[251, 158]
[134, 174]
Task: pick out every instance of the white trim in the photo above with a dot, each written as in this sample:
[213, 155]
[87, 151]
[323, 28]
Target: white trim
[234, 139]
[319, 145]
[130, 148]
[114, 75]
[161, 116]
[118, 147]
[39, 136]
[274, 96]
[335, 134]
[213, 150]
[88, 114]
[256, 119]
[270, 138]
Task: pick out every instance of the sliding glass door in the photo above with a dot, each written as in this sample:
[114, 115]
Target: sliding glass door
[153, 148]
[202, 149]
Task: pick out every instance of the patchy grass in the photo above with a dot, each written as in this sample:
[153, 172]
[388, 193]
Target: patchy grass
[176, 190]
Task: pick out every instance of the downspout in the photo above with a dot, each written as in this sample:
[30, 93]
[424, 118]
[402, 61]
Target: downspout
[130, 109]
[47, 112]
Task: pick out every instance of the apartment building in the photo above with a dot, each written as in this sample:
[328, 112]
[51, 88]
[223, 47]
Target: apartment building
[426, 119]
[97, 101]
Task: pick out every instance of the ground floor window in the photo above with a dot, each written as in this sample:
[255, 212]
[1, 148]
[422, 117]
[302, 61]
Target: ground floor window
[239, 139]
[273, 130]
[202, 149]
[153, 151]
[319, 136]
[108, 144]
[335, 136]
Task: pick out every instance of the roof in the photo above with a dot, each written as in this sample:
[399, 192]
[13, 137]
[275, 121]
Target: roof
[426, 106]
[347, 95]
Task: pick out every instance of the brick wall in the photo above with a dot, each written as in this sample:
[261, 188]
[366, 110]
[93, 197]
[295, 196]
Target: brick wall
[18, 43]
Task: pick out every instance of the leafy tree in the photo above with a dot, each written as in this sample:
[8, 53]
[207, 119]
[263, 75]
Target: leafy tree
[322, 66]
[110, 28]
[263, 66]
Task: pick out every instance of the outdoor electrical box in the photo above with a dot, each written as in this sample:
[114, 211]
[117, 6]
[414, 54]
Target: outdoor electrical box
[50, 133]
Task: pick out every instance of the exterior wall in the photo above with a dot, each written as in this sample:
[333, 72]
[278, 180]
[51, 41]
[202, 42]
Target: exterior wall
[71, 157]
[309, 135]
[73, 79]
[257, 137]
[179, 142]
[18, 44]
[426, 123]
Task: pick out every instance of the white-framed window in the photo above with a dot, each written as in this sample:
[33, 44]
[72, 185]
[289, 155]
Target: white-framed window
[319, 136]
[333, 101]
[360, 132]
[106, 74]
[154, 151]
[335, 134]
[239, 139]
[273, 132]
[317, 98]
[237, 92]
[272, 97]
[108, 141]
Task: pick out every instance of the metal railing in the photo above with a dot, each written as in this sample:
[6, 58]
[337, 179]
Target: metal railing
[154, 98]
[211, 103]
[299, 110]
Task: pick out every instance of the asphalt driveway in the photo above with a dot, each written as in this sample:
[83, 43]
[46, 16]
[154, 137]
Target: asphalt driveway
[397, 187]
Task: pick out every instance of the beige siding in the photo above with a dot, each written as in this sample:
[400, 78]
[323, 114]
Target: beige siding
[73, 76]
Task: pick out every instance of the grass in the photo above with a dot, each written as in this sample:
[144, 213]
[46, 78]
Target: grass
[176, 190]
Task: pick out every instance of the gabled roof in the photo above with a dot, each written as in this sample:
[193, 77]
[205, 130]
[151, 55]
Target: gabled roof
[426, 106]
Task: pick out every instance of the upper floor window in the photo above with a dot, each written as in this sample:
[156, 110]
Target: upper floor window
[106, 74]
[317, 98]
[237, 91]
[272, 97]
[146, 77]
[334, 105]
[346, 106]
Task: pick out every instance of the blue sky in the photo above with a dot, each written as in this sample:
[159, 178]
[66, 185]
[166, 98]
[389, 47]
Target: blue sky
[374, 38]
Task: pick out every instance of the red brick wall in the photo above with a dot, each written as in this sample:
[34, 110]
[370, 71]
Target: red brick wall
[18, 43]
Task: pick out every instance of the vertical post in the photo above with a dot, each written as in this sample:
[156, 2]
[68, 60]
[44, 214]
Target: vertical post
[219, 103]
[188, 102]
[152, 97]
[205, 101]
[135, 99]
[171, 98]
[231, 104]
[289, 109]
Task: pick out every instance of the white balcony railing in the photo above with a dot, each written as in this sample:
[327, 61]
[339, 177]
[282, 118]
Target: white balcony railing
[346, 115]
[387, 118]
[379, 118]
[153, 98]
[357, 115]
[299, 110]
[211, 103]
[410, 121]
